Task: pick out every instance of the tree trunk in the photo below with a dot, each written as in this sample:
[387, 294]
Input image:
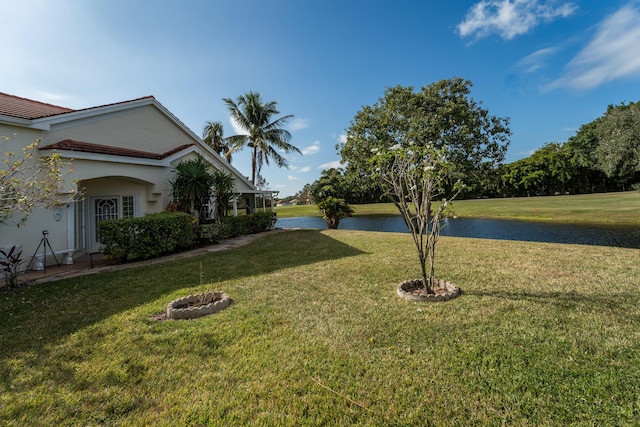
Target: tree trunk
[426, 278]
[332, 222]
[253, 165]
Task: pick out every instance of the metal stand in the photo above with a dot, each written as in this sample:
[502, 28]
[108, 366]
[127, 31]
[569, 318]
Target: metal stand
[44, 242]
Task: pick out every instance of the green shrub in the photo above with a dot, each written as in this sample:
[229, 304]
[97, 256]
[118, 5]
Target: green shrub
[333, 209]
[151, 236]
[209, 232]
[146, 237]
[246, 224]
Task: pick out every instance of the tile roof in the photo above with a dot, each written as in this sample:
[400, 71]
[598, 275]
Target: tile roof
[116, 103]
[23, 108]
[86, 147]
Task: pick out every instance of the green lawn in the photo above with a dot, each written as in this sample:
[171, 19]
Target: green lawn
[621, 207]
[544, 334]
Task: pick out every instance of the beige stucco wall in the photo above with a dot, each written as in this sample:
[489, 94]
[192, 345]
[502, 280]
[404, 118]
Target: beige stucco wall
[146, 200]
[29, 233]
[144, 128]
[19, 137]
[156, 189]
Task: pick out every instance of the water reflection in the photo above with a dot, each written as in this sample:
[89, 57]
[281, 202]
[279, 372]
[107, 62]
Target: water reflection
[626, 236]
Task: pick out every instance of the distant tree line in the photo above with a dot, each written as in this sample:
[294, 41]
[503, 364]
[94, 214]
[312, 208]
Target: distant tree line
[603, 155]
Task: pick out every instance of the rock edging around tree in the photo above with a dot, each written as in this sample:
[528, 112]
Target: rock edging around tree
[413, 290]
[191, 307]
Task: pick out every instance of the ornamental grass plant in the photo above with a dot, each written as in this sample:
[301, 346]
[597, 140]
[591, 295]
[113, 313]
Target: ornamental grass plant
[544, 334]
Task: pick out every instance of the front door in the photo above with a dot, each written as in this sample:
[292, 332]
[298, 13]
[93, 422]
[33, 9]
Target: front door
[101, 208]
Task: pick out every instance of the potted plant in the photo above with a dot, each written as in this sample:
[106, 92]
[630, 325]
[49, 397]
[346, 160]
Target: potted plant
[10, 261]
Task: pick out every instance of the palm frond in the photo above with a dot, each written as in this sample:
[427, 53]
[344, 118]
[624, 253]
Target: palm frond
[265, 135]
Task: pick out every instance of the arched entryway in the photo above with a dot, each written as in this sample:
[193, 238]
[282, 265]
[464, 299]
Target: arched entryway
[112, 198]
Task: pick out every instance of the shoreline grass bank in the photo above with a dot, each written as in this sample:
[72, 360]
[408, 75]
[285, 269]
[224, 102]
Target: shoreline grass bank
[622, 208]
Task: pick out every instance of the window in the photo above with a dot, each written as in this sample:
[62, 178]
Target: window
[127, 207]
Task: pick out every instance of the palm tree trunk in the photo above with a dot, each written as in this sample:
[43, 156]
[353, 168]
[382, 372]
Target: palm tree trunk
[254, 156]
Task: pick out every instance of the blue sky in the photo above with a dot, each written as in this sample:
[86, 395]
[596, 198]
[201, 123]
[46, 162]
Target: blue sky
[549, 66]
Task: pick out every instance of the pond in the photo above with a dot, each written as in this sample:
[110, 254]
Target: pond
[625, 236]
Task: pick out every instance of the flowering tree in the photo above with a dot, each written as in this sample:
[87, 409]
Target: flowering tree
[27, 182]
[411, 176]
[423, 145]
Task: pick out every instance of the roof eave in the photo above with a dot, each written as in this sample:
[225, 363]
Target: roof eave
[15, 121]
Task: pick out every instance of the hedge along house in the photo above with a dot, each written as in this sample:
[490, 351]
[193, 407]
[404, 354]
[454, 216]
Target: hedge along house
[123, 156]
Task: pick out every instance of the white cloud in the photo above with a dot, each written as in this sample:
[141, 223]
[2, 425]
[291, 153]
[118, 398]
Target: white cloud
[312, 149]
[298, 124]
[510, 18]
[342, 138]
[536, 60]
[613, 53]
[236, 127]
[292, 178]
[329, 165]
[300, 169]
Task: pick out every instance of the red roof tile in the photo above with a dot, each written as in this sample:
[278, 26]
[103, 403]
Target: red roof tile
[86, 147]
[23, 108]
[116, 103]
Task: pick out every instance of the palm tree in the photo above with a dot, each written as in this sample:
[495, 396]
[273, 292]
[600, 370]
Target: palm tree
[333, 210]
[213, 136]
[223, 192]
[265, 135]
[191, 185]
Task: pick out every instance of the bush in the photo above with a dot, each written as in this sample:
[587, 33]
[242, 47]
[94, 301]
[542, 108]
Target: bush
[247, 224]
[151, 236]
[146, 237]
[209, 233]
[333, 210]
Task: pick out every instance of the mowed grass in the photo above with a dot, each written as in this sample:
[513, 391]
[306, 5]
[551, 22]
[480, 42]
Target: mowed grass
[543, 334]
[623, 207]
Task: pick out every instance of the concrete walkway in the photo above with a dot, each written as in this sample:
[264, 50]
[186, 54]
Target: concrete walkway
[85, 265]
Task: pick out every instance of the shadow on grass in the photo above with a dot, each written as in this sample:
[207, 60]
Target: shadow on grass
[621, 306]
[32, 317]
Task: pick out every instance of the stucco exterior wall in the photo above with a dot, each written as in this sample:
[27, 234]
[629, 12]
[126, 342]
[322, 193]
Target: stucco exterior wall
[146, 201]
[143, 128]
[19, 138]
[156, 179]
[28, 235]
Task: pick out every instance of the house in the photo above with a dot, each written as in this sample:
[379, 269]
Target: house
[123, 155]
